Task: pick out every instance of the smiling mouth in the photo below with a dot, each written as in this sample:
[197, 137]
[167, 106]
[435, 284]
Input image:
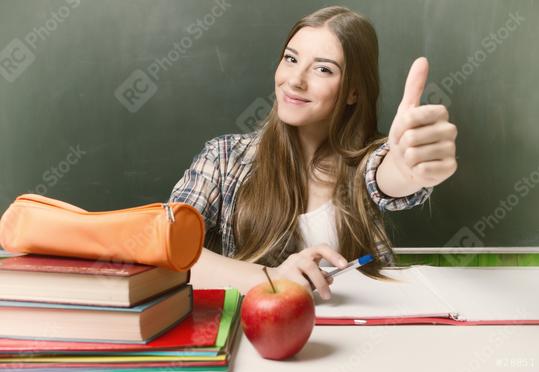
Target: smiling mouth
[295, 100]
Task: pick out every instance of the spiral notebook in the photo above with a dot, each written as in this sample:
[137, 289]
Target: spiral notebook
[423, 294]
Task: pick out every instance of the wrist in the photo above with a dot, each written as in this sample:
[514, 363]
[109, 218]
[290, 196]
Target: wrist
[394, 180]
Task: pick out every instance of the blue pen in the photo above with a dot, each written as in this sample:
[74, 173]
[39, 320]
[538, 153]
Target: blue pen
[351, 265]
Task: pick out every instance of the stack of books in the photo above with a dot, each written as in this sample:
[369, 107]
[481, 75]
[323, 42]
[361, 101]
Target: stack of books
[72, 313]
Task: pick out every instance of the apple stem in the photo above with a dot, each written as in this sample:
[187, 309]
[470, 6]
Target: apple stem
[265, 269]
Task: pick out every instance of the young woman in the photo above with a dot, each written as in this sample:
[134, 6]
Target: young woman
[311, 183]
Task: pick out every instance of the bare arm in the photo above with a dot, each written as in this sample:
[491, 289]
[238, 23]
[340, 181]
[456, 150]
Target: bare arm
[215, 271]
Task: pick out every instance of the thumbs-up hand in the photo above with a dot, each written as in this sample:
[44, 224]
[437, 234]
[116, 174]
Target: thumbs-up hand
[421, 139]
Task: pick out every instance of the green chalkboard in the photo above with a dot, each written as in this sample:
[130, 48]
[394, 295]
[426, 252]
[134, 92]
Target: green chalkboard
[103, 103]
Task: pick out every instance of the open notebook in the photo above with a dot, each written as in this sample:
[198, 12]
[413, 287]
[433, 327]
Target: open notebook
[434, 295]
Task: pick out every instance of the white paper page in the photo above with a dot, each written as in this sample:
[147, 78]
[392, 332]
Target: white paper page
[493, 293]
[354, 295]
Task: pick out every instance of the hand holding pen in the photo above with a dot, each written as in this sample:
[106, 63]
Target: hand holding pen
[363, 260]
[354, 264]
[303, 268]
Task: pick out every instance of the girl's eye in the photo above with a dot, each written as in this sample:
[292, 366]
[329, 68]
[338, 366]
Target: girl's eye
[325, 70]
[289, 58]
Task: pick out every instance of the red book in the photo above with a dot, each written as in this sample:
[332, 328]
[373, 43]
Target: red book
[55, 279]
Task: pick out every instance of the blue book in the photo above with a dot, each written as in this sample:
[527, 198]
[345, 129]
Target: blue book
[53, 321]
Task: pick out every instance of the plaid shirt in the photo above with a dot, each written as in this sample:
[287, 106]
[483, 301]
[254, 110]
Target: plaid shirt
[212, 181]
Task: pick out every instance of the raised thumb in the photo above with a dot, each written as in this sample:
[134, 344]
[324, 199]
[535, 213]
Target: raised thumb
[415, 83]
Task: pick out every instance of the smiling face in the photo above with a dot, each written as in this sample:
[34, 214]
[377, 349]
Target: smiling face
[307, 80]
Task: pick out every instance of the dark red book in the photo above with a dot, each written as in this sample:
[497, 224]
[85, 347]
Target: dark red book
[55, 279]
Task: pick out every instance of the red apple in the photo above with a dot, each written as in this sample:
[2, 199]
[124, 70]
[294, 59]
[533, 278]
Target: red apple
[278, 323]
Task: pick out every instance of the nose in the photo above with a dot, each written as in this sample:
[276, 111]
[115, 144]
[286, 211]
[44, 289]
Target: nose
[297, 80]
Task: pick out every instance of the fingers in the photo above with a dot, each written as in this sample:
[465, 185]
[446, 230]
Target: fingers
[290, 270]
[415, 84]
[418, 117]
[437, 132]
[436, 171]
[435, 151]
[326, 252]
[316, 277]
[421, 139]
[303, 268]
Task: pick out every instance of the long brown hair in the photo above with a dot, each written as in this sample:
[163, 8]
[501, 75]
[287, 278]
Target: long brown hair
[276, 192]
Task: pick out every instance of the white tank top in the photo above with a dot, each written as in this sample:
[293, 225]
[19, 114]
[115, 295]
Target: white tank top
[318, 227]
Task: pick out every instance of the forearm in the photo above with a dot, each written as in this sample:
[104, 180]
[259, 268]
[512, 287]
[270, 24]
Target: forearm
[391, 181]
[215, 271]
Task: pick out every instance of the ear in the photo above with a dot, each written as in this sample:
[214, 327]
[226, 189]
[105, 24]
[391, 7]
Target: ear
[352, 97]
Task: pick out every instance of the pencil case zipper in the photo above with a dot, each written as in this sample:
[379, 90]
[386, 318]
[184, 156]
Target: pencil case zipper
[169, 213]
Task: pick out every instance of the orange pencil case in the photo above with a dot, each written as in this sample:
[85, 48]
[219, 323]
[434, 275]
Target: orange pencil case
[168, 235]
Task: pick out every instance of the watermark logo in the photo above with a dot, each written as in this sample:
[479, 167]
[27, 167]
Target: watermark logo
[464, 237]
[435, 95]
[471, 236]
[51, 176]
[18, 55]
[15, 59]
[439, 93]
[516, 362]
[135, 91]
[141, 85]
[257, 111]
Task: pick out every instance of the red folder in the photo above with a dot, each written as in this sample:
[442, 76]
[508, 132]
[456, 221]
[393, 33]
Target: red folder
[420, 320]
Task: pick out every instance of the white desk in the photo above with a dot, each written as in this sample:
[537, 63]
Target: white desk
[404, 348]
[432, 348]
